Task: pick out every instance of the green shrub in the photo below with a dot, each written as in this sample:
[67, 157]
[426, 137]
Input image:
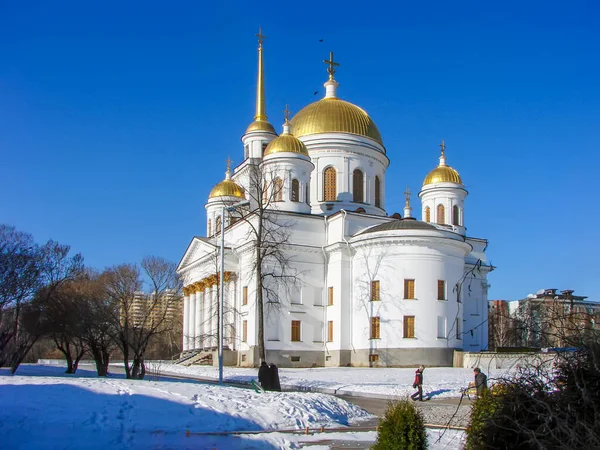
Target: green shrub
[402, 428]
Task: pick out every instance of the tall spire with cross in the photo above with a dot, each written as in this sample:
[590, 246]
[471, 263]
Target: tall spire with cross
[260, 118]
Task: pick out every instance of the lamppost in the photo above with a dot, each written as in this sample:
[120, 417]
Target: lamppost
[221, 275]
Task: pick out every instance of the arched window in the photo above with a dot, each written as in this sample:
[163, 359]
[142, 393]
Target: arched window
[455, 215]
[357, 186]
[396, 216]
[218, 225]
[377, 193]
[277, 189]
[441, 219]
[361, 210]
[209, 228]
[265, 193]
[427, 214]
[295, 190]
[329, 185]
[306, 196]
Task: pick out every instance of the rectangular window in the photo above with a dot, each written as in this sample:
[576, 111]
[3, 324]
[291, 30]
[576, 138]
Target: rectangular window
[375, 328]
[295, 331]
[409, 289]
[375, 291]
[441, 327]
[458, 333]
[330, 296]
[409, 326]
[245, 331]
[330, 331]
[373, 357]
[441, 290]
[245, 295]
[294, 358]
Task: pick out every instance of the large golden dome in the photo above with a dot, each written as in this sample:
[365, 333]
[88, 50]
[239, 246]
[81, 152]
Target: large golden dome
[443, 174]
[286, 142]
[332, 115]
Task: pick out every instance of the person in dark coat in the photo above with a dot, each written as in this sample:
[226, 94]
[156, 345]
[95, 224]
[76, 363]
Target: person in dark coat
[418, 384]
[264, 376]
[480, 381]
[274, 376]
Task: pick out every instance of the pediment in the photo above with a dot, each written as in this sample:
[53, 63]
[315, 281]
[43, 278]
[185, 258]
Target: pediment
[198, 248]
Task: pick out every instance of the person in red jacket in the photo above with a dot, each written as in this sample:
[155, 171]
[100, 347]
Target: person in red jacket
[418, 384]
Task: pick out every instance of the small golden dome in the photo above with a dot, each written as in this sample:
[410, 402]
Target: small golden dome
[286, 142]
[443, 174]
[227, 187]
[260, 125]
[331, 115]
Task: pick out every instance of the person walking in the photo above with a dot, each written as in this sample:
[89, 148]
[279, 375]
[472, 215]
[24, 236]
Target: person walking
[480, 381]
[418, 384]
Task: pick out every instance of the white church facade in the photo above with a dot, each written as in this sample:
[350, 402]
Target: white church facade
[359, 287]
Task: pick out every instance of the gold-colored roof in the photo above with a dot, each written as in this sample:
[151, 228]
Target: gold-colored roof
[260, 125]
[443, 174]
[227, 188]
[331, 115]
[286, 142]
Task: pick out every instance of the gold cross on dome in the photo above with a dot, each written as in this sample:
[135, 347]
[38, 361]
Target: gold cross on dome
[443, 147]
[286, 114]
[407, 194]
[228, 164]
[260, 36]
[332, 65]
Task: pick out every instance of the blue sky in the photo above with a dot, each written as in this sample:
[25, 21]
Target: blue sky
[116, 118]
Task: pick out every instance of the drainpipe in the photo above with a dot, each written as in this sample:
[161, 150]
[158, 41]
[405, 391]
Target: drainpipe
[351, 281]
[324, 293]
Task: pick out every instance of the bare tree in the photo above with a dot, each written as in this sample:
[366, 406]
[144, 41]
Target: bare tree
[28, 270]
[137, 316]
[269, 232]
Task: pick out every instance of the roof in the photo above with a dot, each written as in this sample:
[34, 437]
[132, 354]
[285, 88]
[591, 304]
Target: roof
[402, 224]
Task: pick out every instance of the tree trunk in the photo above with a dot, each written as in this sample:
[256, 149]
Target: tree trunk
[101, 358]
[260, 305]
[78, 358]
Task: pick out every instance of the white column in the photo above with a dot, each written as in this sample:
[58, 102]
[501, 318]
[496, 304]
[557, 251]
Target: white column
[192, 324]
[209, 320]
[199, 301]
[186, 321]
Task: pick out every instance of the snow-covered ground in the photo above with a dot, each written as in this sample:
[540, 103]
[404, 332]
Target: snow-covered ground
[438, 382]
[42, 408]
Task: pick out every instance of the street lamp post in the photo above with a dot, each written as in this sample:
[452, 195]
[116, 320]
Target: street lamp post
[221, 275]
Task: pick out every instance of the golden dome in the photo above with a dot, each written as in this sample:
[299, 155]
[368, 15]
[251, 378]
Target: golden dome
[286, 142]
[260, 125]
[443, 174]
[331, 115]
[227, 187]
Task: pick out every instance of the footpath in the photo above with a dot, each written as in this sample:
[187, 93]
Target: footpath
[453, 412]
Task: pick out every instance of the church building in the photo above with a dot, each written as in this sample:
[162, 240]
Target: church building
[343, 283]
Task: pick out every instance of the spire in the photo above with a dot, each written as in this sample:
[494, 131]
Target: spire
[331, 85]
[260, 118]
[261, 110]
[407, 207]
[443, 153]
